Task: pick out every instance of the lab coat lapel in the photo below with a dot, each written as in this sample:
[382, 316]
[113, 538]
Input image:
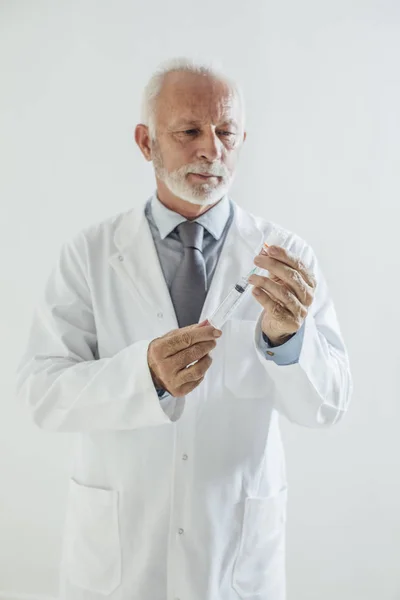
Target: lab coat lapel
[138, 265]
[242, 243]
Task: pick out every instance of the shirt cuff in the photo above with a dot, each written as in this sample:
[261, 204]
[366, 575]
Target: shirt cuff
[162, 394]
[286, 354]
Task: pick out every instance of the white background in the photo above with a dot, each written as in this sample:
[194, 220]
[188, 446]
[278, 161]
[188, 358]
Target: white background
[322, 85]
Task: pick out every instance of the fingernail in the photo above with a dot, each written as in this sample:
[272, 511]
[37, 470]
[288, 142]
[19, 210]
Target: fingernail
[203, 323]
[256, 292]
[273, 250]
[217, 333]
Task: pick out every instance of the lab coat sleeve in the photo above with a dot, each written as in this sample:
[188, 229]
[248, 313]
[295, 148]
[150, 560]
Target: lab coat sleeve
[315, 390]
[61, 380]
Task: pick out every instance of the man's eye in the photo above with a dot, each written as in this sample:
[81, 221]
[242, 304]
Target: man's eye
[226, 133]
[191, 131]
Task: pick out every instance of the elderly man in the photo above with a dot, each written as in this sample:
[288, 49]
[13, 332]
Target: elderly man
[178, 486]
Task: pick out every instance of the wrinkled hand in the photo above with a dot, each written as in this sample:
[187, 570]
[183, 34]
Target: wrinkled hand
[285, 296]
[168, 358]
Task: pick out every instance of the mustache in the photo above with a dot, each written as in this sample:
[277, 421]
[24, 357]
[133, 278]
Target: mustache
[217, 169]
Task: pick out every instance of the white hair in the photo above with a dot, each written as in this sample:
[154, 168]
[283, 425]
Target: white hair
[154, 86]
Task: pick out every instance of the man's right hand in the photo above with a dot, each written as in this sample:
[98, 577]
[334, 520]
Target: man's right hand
[169, 355]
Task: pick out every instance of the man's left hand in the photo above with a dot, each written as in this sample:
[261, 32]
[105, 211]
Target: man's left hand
[285, 296]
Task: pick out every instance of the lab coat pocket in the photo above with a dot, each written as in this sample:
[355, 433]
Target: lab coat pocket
[260, 564]
[93, 550]
[244, 376]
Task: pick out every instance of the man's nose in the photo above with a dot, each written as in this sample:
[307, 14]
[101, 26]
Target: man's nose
[210, 147]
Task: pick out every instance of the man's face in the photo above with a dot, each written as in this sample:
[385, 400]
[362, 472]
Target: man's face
[199, 133]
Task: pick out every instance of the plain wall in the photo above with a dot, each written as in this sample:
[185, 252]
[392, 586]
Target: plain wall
[322, 85]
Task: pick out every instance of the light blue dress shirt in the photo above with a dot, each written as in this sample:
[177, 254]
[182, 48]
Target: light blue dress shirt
[216, 222]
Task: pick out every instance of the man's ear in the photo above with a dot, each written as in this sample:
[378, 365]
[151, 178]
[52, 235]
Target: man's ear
[142, 138]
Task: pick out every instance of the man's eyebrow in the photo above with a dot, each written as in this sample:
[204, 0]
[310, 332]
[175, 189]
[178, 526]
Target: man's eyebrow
[230, 122]
[189, 123]
[186, 123]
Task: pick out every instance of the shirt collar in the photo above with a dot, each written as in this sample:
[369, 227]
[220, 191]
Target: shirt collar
[214, 220]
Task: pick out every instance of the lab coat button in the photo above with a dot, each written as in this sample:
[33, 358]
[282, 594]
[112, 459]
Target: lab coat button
[180, 531]
[185, 457]
[270, 353]
[121, 258]
[160, 315]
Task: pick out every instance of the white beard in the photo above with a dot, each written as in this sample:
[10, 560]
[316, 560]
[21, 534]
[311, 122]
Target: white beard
[200, 193]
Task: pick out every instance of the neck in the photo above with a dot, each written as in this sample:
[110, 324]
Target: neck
[182, 207]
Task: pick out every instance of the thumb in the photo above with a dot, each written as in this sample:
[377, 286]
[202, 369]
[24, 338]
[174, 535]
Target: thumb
[203, 323]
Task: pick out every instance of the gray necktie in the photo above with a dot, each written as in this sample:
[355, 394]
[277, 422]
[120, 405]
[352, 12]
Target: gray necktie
[189, 286]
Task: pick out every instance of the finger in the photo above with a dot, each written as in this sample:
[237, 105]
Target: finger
[189, 355]
[269, 303]
[195, 372]
[282, 255]
[185, 389]
[181, 339]
[290, 277]
[200, 335]
[280, 293]
[278, 312]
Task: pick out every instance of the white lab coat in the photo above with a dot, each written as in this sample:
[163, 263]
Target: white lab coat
[185, 498]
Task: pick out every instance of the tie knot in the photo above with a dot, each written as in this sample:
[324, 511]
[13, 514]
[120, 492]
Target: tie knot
[191, 234]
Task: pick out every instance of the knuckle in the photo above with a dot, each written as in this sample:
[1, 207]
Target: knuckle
[171, 344]
[309, 298]
[169, 334]
[185, 338]
[190, 355]
[186, 376]
[195, 375]
[188, 387]
[203, 348]
[297, 278]
[155, 346]
[203, 366]
[300, 265]
[197, 371]
[200, 350]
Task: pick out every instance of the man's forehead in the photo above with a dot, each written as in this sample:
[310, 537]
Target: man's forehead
[186, 97]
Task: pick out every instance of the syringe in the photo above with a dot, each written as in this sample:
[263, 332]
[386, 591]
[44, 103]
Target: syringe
[233, 299]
